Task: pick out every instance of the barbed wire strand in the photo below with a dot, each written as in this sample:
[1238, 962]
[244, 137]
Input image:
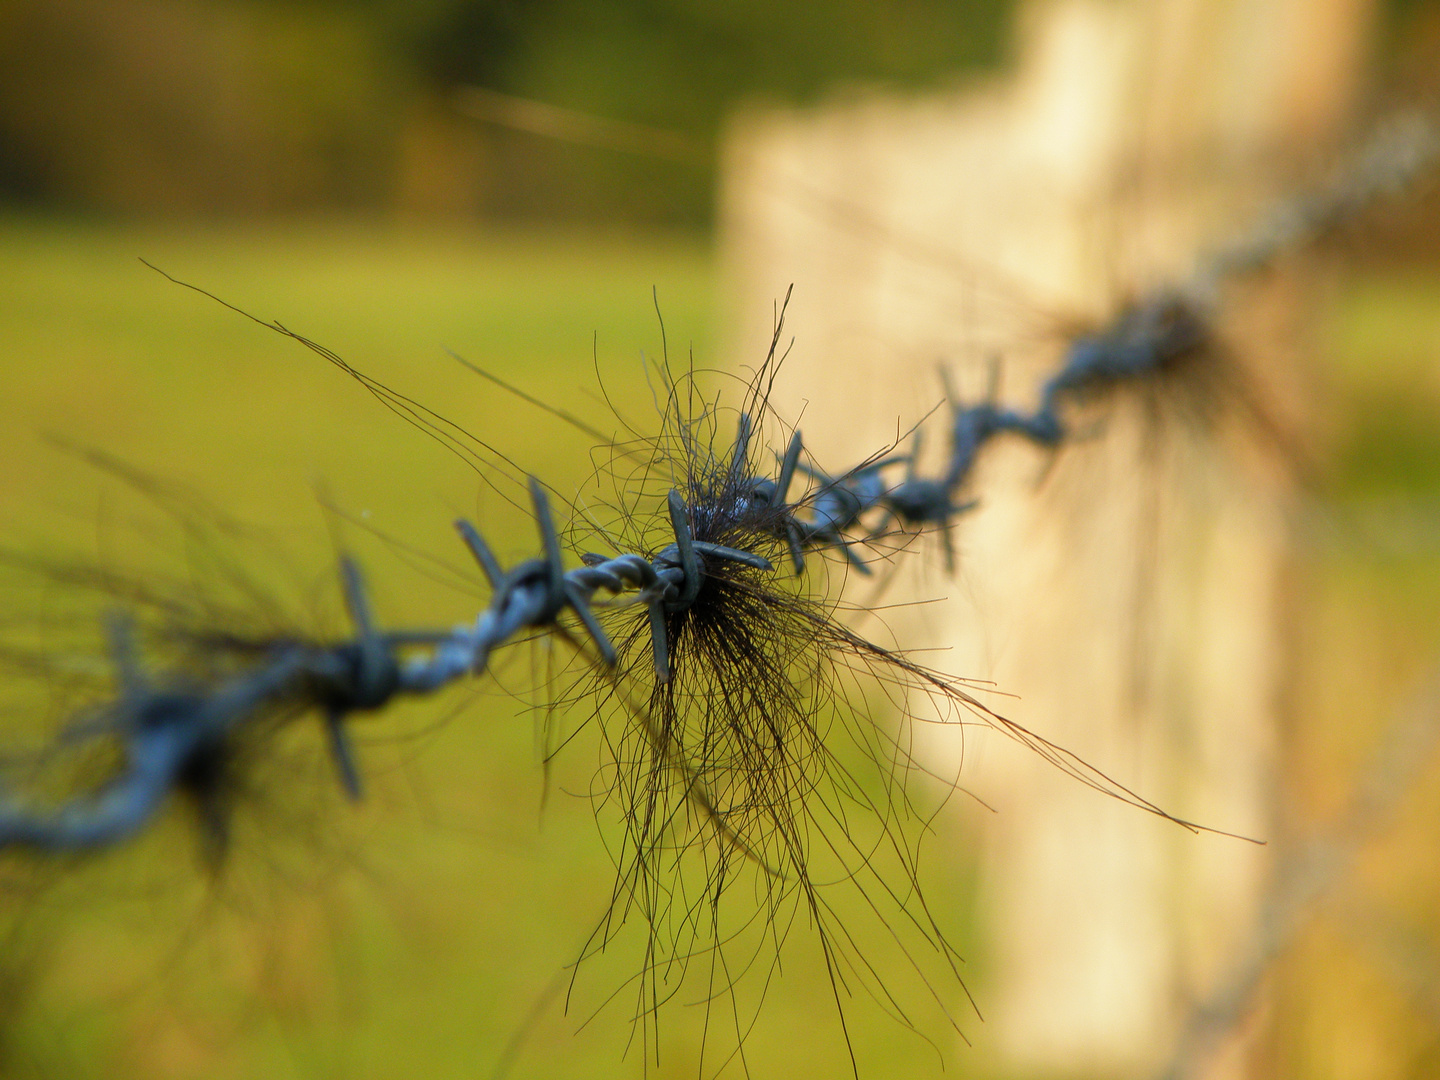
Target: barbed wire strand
[171, 725]
[163, 723]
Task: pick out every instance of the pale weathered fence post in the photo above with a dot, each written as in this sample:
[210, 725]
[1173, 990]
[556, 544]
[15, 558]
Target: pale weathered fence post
[1130, 591]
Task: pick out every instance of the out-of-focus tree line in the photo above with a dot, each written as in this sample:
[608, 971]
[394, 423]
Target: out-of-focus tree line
[226, 107]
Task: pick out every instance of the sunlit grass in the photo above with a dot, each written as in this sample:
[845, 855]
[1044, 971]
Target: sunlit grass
[429, 931]
[415, 934]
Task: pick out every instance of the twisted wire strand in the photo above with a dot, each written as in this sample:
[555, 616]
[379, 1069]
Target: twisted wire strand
[1148, 337]
[167, 724]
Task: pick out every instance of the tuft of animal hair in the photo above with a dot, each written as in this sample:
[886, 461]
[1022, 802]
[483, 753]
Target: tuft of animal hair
[761, 793]
[756, 793]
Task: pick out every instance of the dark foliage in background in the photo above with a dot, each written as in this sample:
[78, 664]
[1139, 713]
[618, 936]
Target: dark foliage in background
[681, 64]
[249, 107]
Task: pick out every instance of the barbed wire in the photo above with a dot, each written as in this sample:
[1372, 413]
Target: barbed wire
[732, 524]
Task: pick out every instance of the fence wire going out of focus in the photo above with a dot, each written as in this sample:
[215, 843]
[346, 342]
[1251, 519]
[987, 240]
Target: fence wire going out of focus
[714, 660]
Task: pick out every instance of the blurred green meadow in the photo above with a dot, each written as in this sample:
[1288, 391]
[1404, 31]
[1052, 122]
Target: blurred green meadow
[325, 165]
[433, 929]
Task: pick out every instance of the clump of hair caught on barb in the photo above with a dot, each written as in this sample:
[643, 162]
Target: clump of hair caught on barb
[722, 719]
[760, 798]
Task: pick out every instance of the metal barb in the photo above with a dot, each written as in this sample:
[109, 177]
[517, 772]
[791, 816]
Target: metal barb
[685, 549]
[489, 565]
[171, 727]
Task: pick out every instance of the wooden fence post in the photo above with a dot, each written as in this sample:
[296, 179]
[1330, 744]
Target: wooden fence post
[1130, 592]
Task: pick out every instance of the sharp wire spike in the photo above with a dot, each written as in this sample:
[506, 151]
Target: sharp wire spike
[787, 470]
[719, 551]
[575, 595]
[555, 571]
[120, 635]
[742, 447]
[489, 565]
[689, 561]
[659, 647]
[167, 730]
[343, 754]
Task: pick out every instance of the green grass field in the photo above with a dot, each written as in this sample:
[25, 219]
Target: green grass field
[431, 931]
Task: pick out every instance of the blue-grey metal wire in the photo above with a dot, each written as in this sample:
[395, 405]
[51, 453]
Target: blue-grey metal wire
[164, 722]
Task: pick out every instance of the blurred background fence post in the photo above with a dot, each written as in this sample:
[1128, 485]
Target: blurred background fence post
[1132, 593]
